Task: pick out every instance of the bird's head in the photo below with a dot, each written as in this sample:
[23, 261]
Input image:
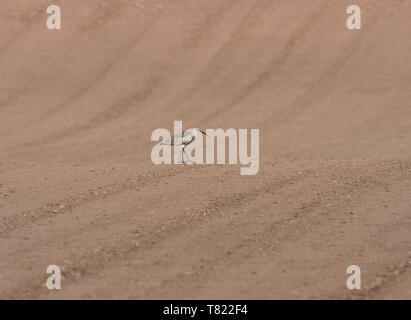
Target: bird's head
[198, 132]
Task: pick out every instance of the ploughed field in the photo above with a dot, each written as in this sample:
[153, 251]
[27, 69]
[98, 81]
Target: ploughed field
[78, 188]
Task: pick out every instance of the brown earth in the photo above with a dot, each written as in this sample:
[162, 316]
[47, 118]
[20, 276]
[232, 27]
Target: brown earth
[78, 188]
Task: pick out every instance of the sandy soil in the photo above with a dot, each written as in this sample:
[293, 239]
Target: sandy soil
[78, 188]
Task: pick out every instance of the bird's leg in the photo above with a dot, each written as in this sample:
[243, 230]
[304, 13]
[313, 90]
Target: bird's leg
[188, 158]
[180, 155]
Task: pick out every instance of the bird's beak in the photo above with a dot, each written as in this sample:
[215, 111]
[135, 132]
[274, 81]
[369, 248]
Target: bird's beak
[204, 133]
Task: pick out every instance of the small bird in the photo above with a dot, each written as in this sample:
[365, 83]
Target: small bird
[183, 139]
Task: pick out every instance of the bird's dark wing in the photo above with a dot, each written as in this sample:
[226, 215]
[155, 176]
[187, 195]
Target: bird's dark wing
[169, 142]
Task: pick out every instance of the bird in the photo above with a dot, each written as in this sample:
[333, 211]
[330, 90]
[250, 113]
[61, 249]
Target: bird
[183, 139]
